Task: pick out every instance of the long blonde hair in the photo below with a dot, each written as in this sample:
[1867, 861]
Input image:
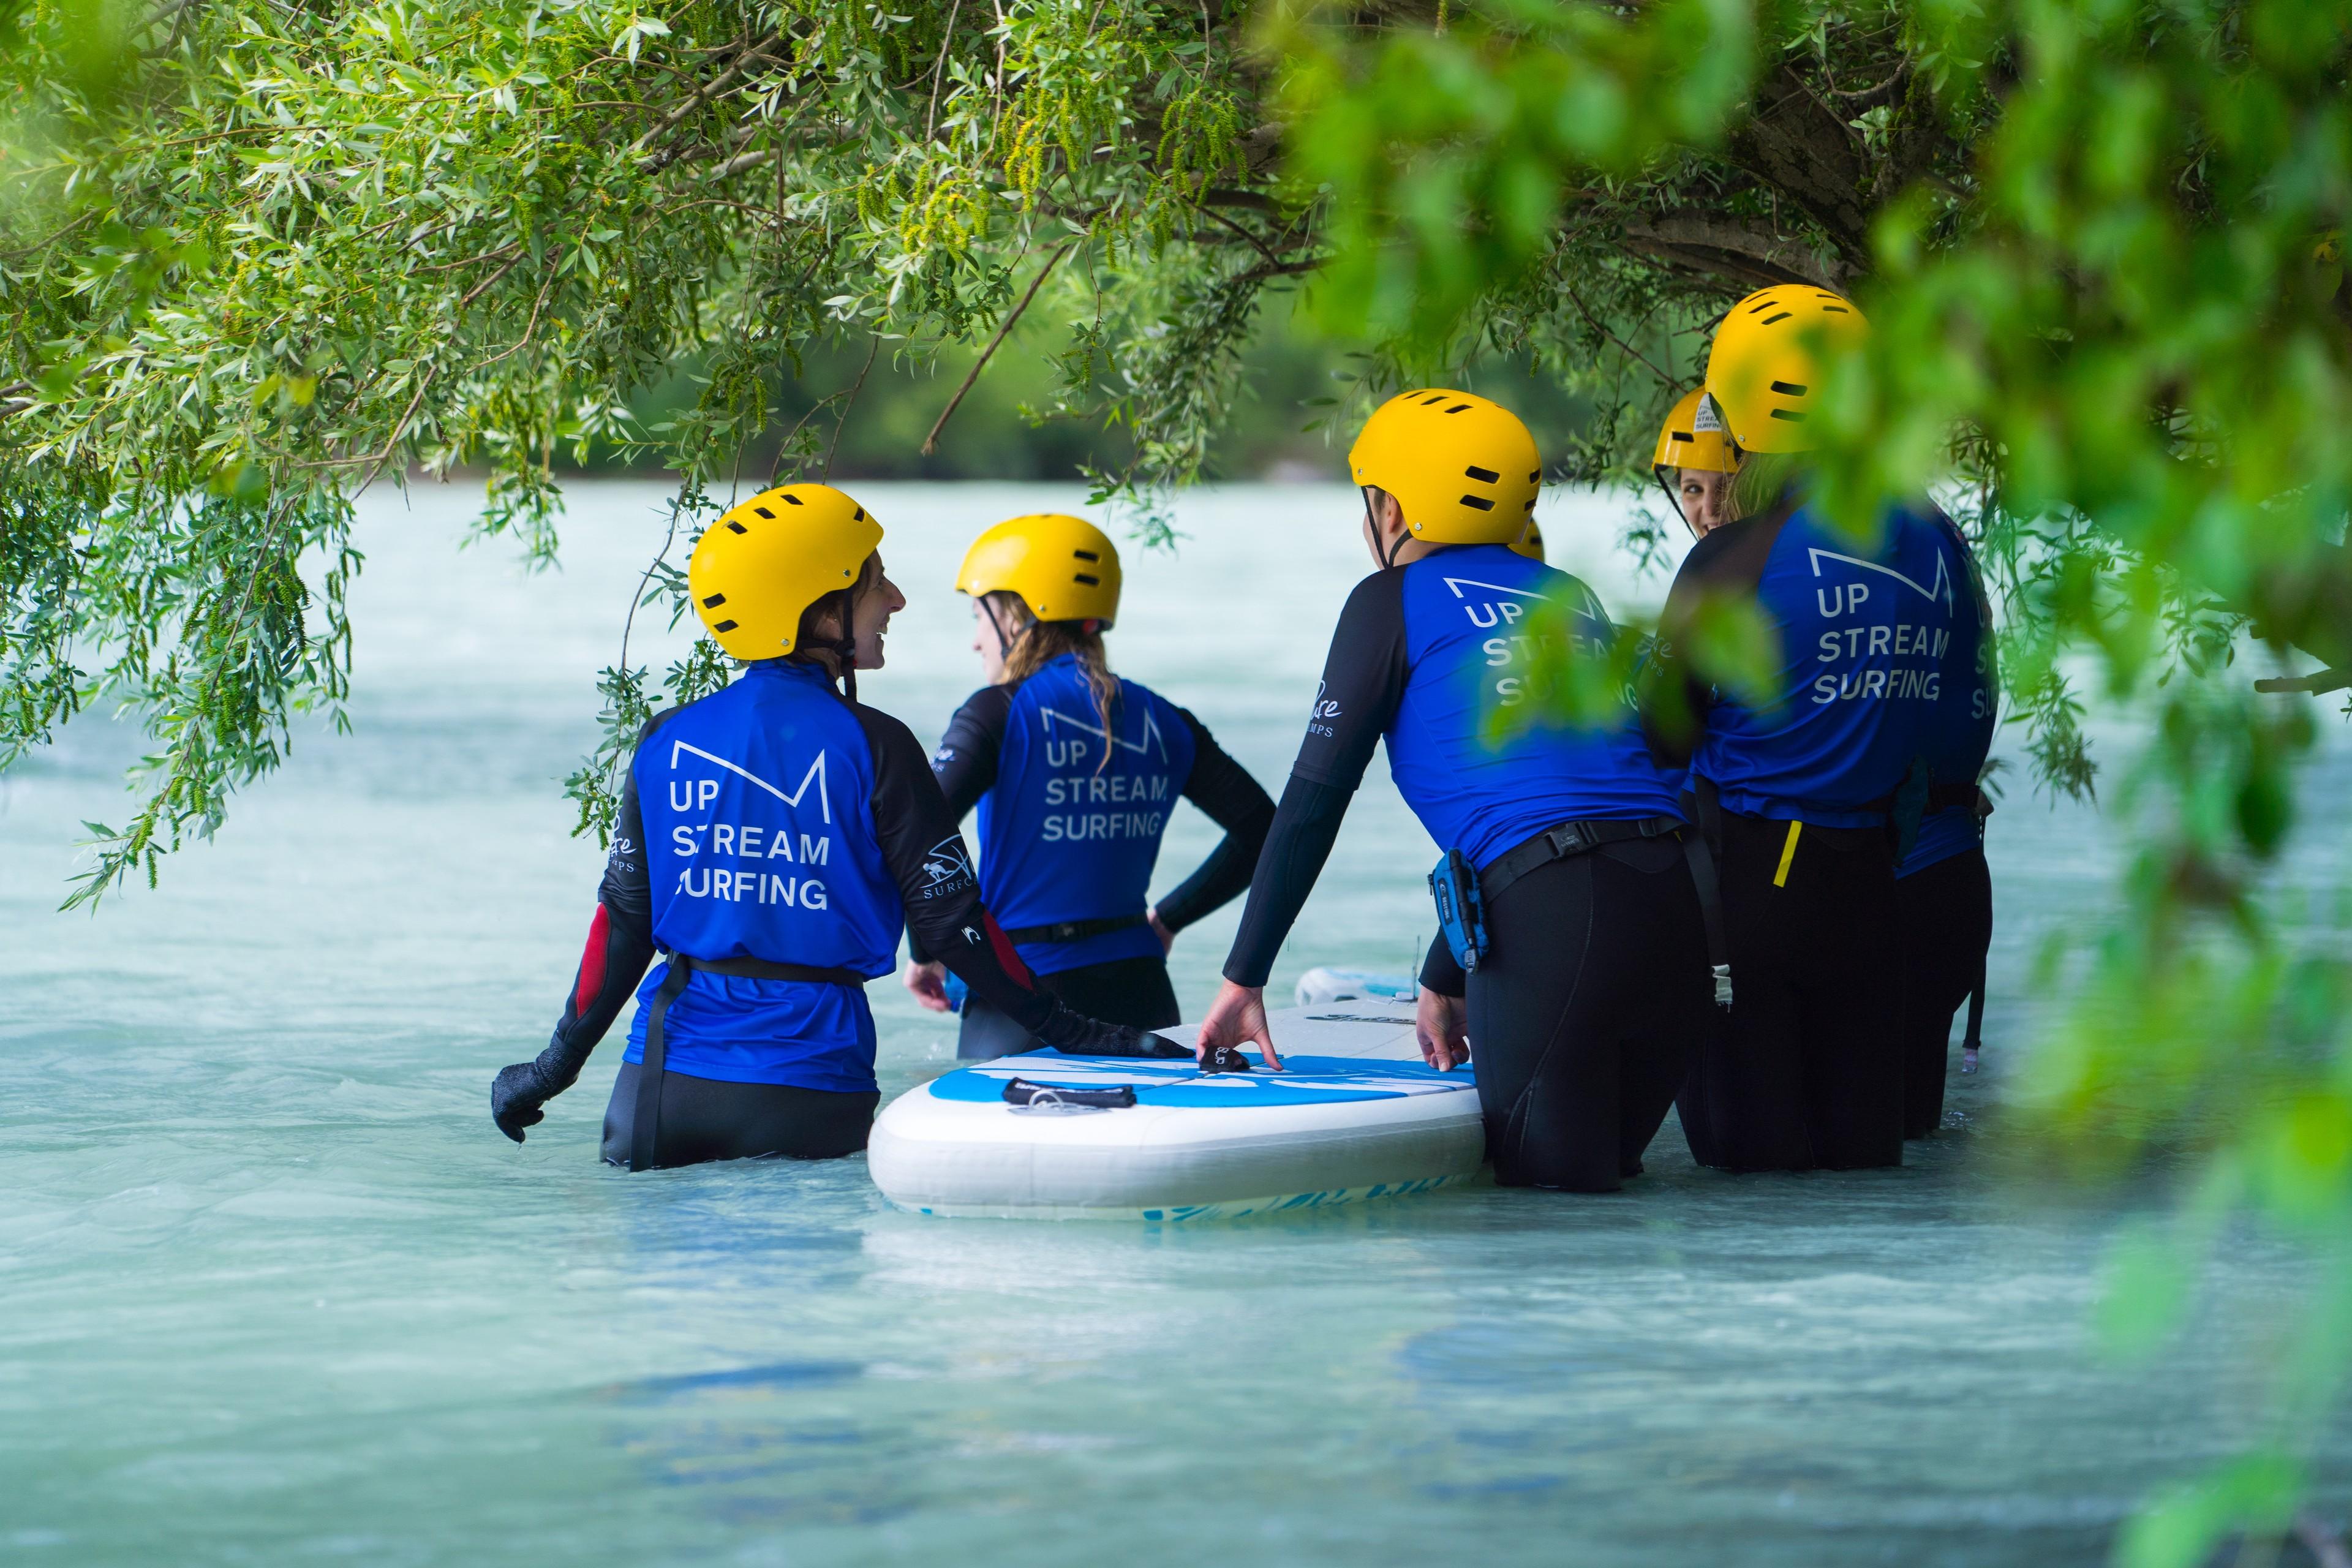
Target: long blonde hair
[1762, 480]
[1030, 644]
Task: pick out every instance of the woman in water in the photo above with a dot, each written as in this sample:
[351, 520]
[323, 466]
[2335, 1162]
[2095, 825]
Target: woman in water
[1592, 984]
[1075, 772]
[774, 837]
[1797, 767]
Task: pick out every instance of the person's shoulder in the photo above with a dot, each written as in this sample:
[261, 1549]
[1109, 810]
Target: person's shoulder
[1133, 691]
[1380, 593]
[887, 734]
[667, 715]
[989, 702]
[1709, 551]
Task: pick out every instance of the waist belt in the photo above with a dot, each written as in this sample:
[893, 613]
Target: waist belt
[1558, 843]
[1951, 796]
[1581, 838]
[645, 1129]
[1075, 931]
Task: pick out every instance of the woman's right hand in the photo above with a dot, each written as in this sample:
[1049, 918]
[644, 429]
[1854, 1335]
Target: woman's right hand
[928, 982]
[1237, 1017]
[1439, 1021]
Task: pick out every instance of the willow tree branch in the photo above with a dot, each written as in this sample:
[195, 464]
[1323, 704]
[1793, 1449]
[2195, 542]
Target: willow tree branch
[851, 402]
[1595, 323]
[931, 441]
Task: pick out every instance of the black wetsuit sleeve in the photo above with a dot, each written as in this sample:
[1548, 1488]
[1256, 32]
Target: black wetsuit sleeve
[965, 761]
[1363, 681]
[1439, 972]
[1224, 789]
[1722, 568]
[965, 764]
[620, 940]
[925, 852]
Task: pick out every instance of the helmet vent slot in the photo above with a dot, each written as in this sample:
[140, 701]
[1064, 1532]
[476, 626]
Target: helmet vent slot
[1791, 415]
[1684, 436]
[1837, 309]
[1484, 476]
[860, 517]
[1427, 402]
[1478, 502]
[1459, 408]
[793, 499]
[1534, 476]
[1781, 317]
[737, 527]
[1789, 388]
[713, 602]
[723, 627]
[1086, 555]
[763, 511]
[1531, 506]
[1089, 582]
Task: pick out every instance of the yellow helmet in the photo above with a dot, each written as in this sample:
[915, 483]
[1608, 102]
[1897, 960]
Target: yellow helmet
[1531, 543]
[1693, 437]
[1063, 568]
[1769, 357]
[1464, 467]
[764, 562]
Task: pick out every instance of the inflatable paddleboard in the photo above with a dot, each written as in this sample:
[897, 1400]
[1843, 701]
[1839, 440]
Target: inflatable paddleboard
[1322, 983]
[1358, 1116]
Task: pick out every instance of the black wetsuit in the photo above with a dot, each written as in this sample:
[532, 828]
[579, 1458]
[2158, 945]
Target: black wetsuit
[1595, 984]
[1945, 911]
[1118, 974]
[1943, 889]
[811, 1097]
[1797, 774]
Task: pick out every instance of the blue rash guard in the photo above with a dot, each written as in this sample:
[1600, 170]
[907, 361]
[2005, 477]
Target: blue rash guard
[1070, 835]
[1425, 656]
[1871, 643]
[760, 848]
[1959, 737]
[772, 820]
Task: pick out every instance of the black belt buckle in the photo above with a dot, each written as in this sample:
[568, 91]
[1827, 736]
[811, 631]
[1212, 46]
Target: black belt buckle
[1568, 839]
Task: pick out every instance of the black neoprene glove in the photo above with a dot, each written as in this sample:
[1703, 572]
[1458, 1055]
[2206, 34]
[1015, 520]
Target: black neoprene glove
[1074, 1033]
[519, 1091]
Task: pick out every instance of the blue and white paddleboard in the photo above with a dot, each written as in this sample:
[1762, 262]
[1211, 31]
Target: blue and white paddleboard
[1358, 1115]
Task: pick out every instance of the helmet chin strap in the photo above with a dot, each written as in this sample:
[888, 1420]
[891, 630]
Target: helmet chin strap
[1384, 552]
[1003, 643]
[1675, 502]
[844, 647]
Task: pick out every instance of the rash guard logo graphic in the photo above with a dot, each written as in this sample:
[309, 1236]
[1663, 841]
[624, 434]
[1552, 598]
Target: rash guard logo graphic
[815, 776]
[947, 868]
[1152, 738]
[1940, 589]
[1322, 718]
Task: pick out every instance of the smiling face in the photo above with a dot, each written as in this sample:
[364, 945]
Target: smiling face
[876, 600]
[1705, 499]
[871, 605]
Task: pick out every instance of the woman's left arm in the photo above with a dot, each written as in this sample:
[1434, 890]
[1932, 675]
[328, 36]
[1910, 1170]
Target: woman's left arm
[1234, 800]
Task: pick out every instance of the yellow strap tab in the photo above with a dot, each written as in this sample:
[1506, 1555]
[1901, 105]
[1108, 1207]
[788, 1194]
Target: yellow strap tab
[1788, 853]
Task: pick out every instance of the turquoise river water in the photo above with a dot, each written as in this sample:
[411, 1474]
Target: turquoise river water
[272, 1290]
